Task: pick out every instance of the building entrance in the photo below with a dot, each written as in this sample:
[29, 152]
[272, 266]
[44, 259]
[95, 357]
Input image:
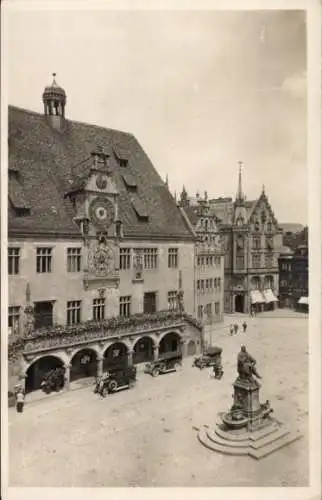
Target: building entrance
[239, 303]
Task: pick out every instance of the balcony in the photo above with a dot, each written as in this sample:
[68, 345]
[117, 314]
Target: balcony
[91, 331]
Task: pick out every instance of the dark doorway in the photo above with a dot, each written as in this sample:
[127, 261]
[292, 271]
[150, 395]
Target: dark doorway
[170, 343]
[115, 356]
[43, 314]
[84, 364]
[37, 371]
[143, 350]
[239, 304]
[192, 348]
[150, 302]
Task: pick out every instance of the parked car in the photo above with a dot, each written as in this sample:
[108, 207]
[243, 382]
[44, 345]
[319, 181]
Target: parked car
[117, 378]
[211, 357]
[166, 363]
[53, 380]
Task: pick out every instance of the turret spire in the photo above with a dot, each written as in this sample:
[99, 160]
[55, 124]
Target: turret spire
[240, 195]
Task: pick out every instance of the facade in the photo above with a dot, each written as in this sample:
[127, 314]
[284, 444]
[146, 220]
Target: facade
[209, 260]
[294, 279]
[252, 241]
[98, 252]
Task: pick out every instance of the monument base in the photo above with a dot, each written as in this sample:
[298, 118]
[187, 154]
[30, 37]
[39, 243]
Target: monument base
[248, 427]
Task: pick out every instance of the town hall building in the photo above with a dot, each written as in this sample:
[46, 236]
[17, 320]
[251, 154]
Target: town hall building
[100, 258]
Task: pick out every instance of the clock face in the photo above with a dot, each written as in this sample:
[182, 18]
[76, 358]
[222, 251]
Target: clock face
[101, 211]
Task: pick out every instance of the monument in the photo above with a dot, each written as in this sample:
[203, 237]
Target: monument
[248, 428]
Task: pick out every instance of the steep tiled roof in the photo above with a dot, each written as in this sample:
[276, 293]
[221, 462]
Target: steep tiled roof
[52, 164]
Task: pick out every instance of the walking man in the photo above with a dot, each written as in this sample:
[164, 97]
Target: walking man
[236, 328]
[244, 327]
[20, 400]
[231, 329]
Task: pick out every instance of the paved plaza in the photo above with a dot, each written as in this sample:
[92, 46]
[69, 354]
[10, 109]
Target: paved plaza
[146, 436]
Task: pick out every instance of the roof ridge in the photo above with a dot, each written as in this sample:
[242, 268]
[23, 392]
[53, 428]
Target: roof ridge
[37, 113]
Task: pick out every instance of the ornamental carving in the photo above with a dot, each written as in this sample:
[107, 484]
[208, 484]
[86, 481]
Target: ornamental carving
[101, 259]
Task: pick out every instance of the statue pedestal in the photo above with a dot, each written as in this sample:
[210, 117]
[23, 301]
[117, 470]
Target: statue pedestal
[246, 399]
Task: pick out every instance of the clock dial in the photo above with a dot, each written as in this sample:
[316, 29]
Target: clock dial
[102, 211]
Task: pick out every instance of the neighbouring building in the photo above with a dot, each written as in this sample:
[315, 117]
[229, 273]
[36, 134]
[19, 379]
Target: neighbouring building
[100, 258]
[209, 260]
[294, 235]
[294, 278]
[252, 241]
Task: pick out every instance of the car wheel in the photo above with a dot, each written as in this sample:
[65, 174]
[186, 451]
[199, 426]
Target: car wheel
[104, 392]
[112, 386]
[155, 372]
[162, 367]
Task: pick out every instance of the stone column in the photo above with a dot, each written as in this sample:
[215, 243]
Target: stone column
[184, 348]
[67, 376]
[155, 352]
[130, 357]
[99, 370]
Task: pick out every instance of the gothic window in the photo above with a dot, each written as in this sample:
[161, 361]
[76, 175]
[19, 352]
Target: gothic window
[240, 262]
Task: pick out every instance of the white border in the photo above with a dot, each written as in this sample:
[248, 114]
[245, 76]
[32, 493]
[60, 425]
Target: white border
[313, 9]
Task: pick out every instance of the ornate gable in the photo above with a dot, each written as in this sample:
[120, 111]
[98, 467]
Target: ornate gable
[262, 217]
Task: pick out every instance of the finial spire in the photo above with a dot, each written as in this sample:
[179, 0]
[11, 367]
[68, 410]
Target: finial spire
[167, 181]
[240, 194]
[263, 189]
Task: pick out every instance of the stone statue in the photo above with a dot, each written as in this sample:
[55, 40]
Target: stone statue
[246, 365]
[180, 304]
[138, 265]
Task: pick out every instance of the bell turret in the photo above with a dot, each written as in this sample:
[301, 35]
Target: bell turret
[54, 99]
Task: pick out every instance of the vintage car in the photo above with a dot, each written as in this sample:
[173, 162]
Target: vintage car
[166, 363]
[53, 380]
[116, 378]
[211, 357]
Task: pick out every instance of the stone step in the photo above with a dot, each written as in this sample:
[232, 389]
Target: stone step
[213, 436]
[276, 445]
[225, 450]
[244, 436]
[270, 438]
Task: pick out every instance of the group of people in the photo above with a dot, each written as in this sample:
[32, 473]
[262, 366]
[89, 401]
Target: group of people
[233, 328]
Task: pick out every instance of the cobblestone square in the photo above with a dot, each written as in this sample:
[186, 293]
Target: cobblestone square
[146, 436]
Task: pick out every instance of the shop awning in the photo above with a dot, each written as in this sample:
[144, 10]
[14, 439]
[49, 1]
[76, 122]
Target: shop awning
[256, 297]
[269, 296]
[303, 300]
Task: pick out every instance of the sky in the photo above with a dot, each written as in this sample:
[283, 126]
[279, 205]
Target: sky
[200, 90]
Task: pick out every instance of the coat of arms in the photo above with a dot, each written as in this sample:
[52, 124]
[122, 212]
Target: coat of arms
[101, 259]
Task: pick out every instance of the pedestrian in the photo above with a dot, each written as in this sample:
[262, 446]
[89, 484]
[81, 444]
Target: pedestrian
[236, 328]
[20, 400]
[244, 326]
[231, 329]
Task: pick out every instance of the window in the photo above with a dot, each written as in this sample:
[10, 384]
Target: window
[206, 285]
[13, 319]
[217, 308]
[256, 260]
[73, 260]
[202, 286]
[173, 257]
[215, 283]
[13, 260]
[219, 284]
[256, 242]
[98, 309]
[198, 261]
[150, 258]
[125, 258]
[198, 285]
[125, 306]
[207, 261]
[73, 312]
[43, 313]
[269, 260]
[240, 262]
[172, 300]
[200, 312]
[208, 310]
[44, 259]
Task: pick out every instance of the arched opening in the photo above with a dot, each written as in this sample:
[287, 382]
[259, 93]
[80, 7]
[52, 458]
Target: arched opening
[38, 369]
[170, 343]
[192, 348]
[239, 304]
[115, 356]
[143, 350]
[83, 364]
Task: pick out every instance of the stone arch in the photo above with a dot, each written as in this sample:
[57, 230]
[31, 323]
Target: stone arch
[38, 368]
[170, 342]
[83, 363]
[143, 349]
[115, 354]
